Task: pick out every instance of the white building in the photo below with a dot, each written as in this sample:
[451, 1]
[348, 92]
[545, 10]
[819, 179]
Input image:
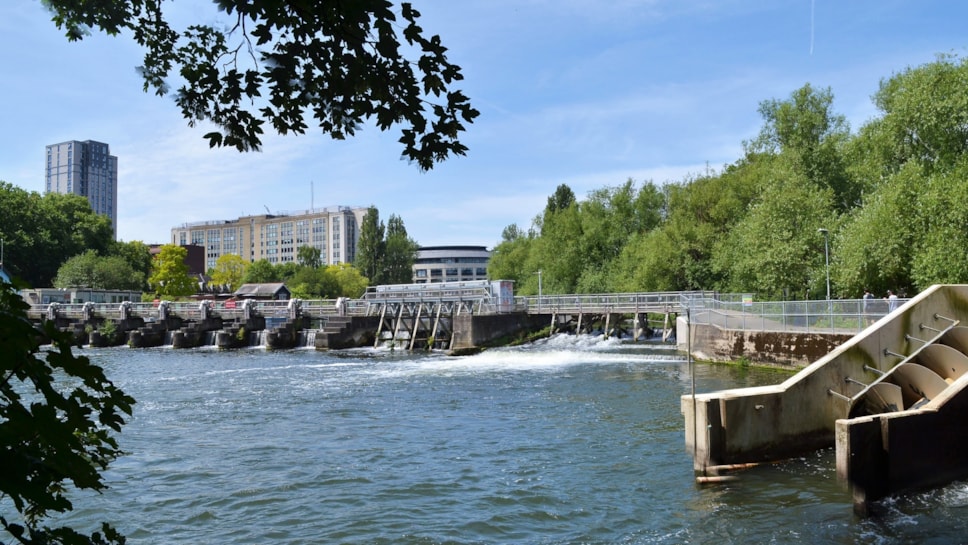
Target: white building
[450, 264]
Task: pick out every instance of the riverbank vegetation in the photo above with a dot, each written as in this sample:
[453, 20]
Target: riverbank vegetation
[893, 197]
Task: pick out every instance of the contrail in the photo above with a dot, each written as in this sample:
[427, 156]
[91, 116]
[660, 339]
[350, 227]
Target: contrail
[812, 2]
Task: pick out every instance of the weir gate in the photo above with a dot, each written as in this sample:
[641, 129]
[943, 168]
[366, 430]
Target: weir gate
[448, 315]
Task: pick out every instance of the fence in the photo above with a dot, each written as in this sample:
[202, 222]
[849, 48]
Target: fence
[847, 316]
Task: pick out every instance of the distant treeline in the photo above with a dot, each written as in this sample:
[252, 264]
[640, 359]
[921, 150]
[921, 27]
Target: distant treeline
[892, 197]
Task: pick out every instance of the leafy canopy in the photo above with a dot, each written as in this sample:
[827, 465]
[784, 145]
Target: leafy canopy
[40, 232]
[282, 62]
[104, 273]
[229, 270]
[58, 417]
[169, 276]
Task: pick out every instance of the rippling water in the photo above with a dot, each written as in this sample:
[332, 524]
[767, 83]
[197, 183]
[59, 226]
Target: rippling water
[572, 440]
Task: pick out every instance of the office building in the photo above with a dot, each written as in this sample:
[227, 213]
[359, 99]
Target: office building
[278, 237]
[87, 169]
[450, 264]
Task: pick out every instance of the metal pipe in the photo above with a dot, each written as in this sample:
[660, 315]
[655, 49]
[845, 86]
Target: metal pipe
[840, 395]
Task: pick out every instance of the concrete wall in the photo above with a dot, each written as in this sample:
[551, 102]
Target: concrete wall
[480, 330]
[788, 349]
[799, 415]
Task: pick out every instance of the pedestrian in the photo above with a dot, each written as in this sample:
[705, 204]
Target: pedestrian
[868, 297]
[891, 301]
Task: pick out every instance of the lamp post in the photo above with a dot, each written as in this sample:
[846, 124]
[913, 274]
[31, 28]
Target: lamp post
[539, 289]
[826, 255]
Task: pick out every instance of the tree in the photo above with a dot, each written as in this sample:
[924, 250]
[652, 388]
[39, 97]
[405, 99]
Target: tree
[371, 247]
[310, 256]
[562, 198]
[58, 414]
[511, 233]
[509, 258]
[41, 232]
[285, 272]
[260, 272]
[315, 283]
[805, 130]
[229, 271]
[351, 283]
[608, 217]
[169, 276]
[926, 113]
[775, 250]
[137, 254]
[556, 253]
[283, 62]
[400, 253]
[103, 273]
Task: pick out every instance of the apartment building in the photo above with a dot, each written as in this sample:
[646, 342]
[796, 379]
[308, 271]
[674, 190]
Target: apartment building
[87, 169]
[277, 237]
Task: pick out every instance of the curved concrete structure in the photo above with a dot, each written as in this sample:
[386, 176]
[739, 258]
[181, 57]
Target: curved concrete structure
[892, 399]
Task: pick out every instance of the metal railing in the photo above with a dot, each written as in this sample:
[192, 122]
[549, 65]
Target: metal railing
[727, 311]
[623, 303]
[846, 316]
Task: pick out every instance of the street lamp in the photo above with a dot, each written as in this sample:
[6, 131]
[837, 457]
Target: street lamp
[539, 289]
[826, 255]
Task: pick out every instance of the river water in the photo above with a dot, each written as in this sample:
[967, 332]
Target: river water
[571, 440]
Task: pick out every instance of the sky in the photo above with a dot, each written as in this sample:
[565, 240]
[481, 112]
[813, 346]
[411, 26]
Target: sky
[577, 92]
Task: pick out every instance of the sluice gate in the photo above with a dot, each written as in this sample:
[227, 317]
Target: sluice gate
[892, 400]
[424, 313]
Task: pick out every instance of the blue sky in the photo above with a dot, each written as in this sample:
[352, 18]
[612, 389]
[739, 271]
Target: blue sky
[584, 93]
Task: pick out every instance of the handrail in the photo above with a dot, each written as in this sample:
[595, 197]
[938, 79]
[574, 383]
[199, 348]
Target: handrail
[885, 374]
[734, 313]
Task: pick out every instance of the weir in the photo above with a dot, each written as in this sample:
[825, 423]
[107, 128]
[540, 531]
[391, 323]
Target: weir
[892, 400]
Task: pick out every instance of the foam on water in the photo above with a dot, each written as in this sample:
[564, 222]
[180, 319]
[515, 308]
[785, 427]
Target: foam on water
[547, 355]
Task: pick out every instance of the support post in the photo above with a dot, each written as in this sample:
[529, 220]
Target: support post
[416, 326]
[396, 327]
[379, 327]
[433, 335]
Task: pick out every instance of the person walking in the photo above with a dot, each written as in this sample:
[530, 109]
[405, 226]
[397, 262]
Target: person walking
[868, 297]
[891, 301]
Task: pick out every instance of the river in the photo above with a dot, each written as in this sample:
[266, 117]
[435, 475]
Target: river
[569, 440]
